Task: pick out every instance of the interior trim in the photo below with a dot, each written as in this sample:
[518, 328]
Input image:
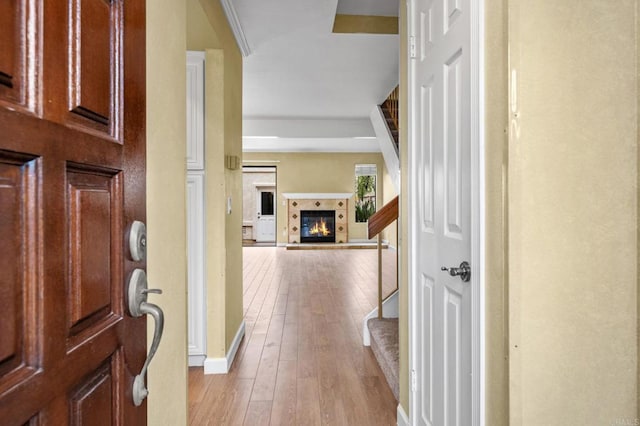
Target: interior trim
[223, 365]
[236, 27]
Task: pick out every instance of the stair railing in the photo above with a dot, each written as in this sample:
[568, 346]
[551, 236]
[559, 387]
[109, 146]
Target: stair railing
[391, 104]
[377, 223]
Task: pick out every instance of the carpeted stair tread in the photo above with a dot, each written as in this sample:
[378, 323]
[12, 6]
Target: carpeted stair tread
[385, 346]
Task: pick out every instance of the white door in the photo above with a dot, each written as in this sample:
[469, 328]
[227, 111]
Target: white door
[441, 169]
[266, 214]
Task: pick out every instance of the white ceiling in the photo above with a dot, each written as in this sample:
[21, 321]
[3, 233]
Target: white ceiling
[368, 7]
[298, 69]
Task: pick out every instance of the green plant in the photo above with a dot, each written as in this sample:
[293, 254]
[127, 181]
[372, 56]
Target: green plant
[365, 197]
[364, 210]
[364, 186]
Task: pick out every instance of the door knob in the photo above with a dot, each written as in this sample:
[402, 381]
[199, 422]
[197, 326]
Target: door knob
[463, 271]
[138, 306]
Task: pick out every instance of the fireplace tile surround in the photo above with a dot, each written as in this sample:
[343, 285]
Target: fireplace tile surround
[318, 201]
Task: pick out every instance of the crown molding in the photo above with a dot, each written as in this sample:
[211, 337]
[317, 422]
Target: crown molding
[236, 27]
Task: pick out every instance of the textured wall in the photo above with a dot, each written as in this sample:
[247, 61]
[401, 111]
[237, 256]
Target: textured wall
[573, 213]
[496, 141]
[166, 218]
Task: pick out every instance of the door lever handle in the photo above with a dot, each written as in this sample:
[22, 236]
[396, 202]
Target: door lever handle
[138, 306]
[463, 271]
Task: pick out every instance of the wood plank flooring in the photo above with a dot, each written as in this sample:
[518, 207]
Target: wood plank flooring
[301, 361]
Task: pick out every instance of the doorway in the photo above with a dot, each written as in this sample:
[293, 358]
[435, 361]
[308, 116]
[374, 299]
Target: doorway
[259, 215]
[265, 221]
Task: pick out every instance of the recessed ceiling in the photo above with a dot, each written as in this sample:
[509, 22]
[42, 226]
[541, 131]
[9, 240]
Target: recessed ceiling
[299, 69]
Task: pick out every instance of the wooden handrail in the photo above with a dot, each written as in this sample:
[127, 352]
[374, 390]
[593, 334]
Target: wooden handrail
[383, 218]
[377, 222]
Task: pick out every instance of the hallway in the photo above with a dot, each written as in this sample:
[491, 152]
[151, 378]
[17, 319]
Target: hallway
[301, 361]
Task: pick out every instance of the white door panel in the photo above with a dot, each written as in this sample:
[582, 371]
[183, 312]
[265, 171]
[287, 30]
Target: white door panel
[440, 156]
[426, 363]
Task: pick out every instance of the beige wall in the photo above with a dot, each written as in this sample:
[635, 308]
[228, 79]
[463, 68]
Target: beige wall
[496, 143]
[208, 30]
[166, 219]
[318, 172]
[573, 213]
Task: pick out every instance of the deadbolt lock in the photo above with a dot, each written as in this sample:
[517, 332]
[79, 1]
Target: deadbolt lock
[138, 241]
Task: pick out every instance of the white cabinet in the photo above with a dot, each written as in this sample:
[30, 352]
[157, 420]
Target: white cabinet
[196, 266]
[195, 110]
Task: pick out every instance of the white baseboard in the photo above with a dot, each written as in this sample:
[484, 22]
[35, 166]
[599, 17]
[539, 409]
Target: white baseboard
[223, 365]
[390, 309]
[402, 418]
[394, 248]
[197, 360]
[281, 244]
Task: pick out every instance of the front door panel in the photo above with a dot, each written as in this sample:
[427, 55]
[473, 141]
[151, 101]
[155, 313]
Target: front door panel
[72, 150]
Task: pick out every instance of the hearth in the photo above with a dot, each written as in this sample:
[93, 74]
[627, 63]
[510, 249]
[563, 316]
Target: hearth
[317, 226]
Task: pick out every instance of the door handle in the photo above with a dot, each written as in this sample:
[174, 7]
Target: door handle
[463, 271]
[138, 306]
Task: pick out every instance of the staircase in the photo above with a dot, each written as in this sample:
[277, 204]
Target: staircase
[384, 120]
[380, 329]
[385, 347]
[380, 326]
[391, 115]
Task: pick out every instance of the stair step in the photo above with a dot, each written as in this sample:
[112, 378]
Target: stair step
[386, 348]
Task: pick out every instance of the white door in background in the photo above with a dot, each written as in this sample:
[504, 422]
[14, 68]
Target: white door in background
[443, 352]
[265, 229]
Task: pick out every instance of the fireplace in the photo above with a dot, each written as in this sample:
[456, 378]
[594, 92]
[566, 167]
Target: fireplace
[337, 204]
[317, 226]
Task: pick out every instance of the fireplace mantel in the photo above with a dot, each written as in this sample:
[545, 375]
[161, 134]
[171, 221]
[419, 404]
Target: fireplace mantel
[317, 195]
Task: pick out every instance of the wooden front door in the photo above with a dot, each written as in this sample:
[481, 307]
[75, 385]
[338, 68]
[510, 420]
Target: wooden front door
[72, 180]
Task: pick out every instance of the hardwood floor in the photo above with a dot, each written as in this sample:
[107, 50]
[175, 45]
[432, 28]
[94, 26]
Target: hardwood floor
[301, 361]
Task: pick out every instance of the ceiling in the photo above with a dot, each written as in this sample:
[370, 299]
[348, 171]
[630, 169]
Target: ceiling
[302, 81]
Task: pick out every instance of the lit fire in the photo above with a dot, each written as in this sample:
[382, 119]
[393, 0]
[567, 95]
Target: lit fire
[320, 229]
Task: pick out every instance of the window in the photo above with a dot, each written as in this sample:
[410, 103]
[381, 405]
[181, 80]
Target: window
[365, 191]
[266, 198]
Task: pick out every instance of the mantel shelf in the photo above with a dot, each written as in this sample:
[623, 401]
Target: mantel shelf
[317, 195]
